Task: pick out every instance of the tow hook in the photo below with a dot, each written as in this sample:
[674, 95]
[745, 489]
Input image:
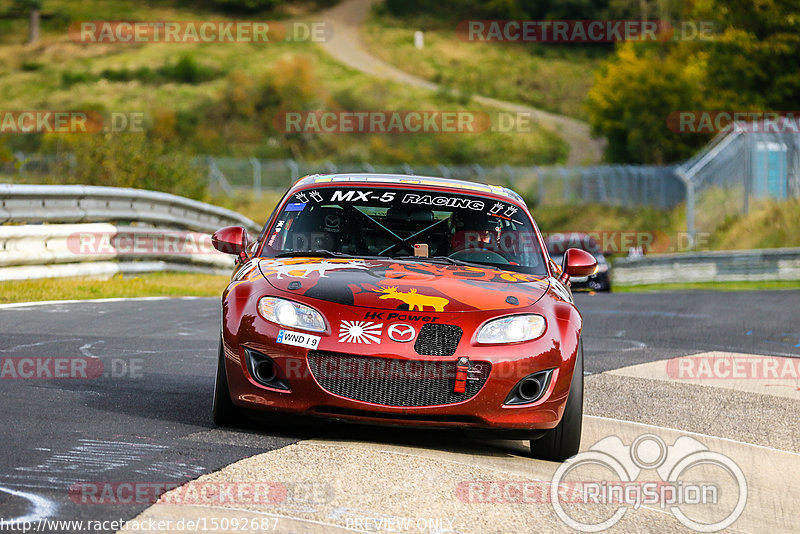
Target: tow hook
[462, 368]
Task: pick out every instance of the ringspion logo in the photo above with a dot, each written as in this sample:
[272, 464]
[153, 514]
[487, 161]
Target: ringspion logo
[704, 490]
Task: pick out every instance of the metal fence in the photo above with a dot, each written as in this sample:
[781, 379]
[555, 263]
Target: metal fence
[737, 172]
[622, 185]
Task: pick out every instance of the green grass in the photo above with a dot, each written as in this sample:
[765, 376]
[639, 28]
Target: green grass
[145, 285]
[768, 225]
[255, 209]
[553, 77]
[710, 286]
[194, 114]
[663, 227]
[57, 15]
[203, 285]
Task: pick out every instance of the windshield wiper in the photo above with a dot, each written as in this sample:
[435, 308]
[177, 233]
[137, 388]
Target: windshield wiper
[447, 260]
[314, 254]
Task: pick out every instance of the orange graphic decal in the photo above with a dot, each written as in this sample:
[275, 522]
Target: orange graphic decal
[413, 299]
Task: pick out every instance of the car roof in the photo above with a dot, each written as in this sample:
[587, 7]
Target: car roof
[375, 178]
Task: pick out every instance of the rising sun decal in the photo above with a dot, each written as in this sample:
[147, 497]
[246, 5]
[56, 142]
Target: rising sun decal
[360, 332]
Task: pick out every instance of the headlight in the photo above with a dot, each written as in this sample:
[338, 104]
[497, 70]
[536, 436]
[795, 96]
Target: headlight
[291, 314]
[512, 329]
[602, 267]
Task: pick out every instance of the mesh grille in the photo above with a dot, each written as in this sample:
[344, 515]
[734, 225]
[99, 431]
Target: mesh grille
[394, 382]
[438, 339]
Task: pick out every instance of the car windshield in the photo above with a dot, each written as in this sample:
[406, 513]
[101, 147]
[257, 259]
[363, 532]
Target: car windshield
[402, 223]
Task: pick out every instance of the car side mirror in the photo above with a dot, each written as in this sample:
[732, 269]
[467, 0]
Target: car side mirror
[231, 240]
[578, 262]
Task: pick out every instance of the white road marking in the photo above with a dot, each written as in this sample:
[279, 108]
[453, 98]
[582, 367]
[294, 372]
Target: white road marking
[85, 348]
[28, 345]
[41, 507]
[93, 457]
[121, 299]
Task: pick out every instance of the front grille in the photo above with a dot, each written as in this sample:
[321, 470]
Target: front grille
[394, 382]
[438, 339]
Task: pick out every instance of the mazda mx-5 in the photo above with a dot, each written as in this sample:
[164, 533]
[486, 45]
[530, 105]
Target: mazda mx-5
[404, 300]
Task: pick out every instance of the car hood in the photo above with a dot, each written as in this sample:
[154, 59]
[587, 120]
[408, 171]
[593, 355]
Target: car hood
[404, 285]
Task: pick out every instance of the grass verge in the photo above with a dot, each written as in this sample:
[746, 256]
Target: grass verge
[225, 99]
[551, 77]
[711, 286]
[145, 285]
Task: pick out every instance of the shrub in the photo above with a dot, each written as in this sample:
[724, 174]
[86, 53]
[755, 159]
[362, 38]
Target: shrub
[127, 160]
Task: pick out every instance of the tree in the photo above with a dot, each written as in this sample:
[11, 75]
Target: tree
[34, 10]
[749, 65]
[634, 94]
[753, 62]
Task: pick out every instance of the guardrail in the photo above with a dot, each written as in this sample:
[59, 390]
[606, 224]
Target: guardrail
[88, 203]
[716, 266]
[179, 242]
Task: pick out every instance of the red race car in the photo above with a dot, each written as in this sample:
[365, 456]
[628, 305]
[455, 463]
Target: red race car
[404, 300]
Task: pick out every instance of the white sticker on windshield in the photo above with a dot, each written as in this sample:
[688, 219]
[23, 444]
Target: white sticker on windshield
[450, 202]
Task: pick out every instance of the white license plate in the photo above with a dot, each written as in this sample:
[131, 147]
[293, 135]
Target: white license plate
[298, 339]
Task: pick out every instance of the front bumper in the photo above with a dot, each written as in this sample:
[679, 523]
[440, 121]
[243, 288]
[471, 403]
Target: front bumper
[485, 410]
[595, 282]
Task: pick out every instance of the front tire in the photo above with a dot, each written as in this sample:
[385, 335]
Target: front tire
[607, 284]
[564, 440]
[223, 411]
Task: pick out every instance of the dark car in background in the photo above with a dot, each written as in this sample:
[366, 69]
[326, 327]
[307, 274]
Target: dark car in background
[557, 243]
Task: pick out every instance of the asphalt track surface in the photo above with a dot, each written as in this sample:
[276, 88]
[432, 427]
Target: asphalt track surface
[146, 418]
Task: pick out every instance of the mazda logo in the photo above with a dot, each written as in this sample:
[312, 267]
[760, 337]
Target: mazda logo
[402, 333]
